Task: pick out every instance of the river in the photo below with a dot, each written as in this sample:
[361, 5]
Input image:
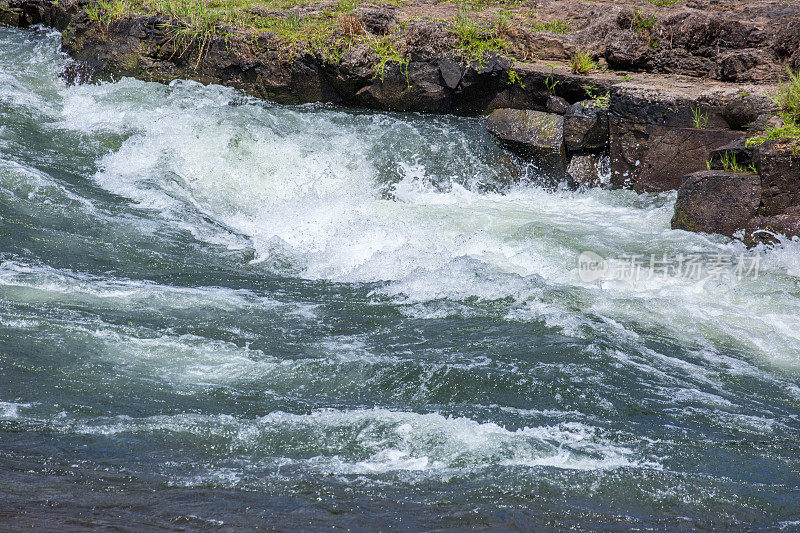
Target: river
[219, 312]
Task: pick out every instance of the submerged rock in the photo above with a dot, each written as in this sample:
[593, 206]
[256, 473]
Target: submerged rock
[534, 134]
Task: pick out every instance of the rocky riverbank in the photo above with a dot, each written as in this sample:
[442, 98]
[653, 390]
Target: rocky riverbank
[622, 94]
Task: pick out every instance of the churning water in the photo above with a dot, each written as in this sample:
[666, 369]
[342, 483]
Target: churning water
[218, 312]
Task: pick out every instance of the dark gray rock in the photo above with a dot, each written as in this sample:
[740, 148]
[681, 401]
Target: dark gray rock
[534, 134]
[450, 71]
[556, 104]
[653, 158]
[779, 168]
[585, 127]
[714, 201]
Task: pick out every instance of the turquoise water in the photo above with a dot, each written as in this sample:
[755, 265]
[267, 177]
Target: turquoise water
[216, 312]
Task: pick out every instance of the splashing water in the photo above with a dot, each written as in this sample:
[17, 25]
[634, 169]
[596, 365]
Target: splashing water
[349, 318]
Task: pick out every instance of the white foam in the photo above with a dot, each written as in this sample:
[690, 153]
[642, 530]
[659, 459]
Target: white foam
[379, 440]
[383, 198]
[10, 410]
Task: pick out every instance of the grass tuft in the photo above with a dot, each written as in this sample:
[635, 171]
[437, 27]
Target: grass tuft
[699, 119]
[787, 98]
[582, 63]
[555, 26]
[643, 23]
[474, 41]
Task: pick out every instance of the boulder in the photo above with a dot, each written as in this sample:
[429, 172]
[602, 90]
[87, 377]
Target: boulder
[450, 72]
[536, 135]
[378, 21]
[585, 127]
[764, 229]
[589, 169]
[779, 168]
[714, 201]
[652, 158]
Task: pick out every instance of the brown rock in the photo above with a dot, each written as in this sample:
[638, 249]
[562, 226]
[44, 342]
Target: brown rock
[650, 158]
[715, 201]
[763, 229]
[627, 49]
[779, 168]
[378, 21]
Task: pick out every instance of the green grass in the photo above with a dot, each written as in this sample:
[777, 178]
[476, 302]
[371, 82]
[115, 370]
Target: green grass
[699, 119]
[643, 23]
[729, 163]
[474, 40]
[104, 12]
[787, 132]
[193, 25]
[555, 26]
[582, 63]
[787, 98]
[385, 48]
[664, 3]
[599, 100]
[550, 83]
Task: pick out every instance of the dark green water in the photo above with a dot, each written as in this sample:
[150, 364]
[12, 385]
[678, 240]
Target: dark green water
[217, 313]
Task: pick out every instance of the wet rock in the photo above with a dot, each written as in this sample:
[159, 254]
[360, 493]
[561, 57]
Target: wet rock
[556, 104]
[650, 158]
[714, 201]
[11, 17]
[536, 135]
[779, 168]
[481, 82]
[585, 126]
[395, 93]
[78, 73]
[589, 169]
[765, 229]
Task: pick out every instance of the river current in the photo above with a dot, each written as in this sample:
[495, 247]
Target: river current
[220, 312]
